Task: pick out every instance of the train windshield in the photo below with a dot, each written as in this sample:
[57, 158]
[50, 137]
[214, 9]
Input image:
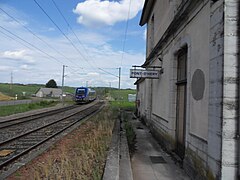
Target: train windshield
[80, 91]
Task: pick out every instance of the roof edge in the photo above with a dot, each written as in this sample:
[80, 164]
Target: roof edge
[179, 18]
[145, 12]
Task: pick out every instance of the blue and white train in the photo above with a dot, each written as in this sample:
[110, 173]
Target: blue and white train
[84, 94]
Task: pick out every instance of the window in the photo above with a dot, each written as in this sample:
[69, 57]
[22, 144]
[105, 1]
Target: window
[80, 92]
[182, 60]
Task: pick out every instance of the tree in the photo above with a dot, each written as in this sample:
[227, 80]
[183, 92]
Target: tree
[51, 84]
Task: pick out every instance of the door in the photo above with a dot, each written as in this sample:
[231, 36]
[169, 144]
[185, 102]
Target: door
[181, 102]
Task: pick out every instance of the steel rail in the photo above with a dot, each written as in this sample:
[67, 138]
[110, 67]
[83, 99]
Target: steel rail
[90, 110]
[16, 121]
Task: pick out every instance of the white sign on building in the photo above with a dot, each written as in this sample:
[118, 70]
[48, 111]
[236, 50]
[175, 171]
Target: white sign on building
[140, 73]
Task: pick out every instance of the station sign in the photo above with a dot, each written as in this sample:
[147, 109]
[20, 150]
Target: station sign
[140, 73]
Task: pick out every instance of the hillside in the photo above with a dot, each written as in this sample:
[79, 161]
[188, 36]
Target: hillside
[24, 91]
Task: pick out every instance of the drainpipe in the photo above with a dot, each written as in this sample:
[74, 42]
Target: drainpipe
[151, 94]
[238, 108]
[238, 125]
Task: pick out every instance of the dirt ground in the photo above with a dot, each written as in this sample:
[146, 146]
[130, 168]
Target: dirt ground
[5, 97]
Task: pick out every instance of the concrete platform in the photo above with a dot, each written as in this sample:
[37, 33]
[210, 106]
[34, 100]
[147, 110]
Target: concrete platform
[148, 162]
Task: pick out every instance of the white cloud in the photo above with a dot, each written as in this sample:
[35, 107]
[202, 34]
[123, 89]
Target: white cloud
[8, 22]
[17, 55]
[25, 67]
[14, 54]
[92, 38]
[103, 56]
[32, 66]
[93, 74]
[5, 68]
[97, 12]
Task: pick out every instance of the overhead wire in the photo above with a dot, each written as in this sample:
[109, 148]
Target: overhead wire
[63, 33]
[32, 45]
[125, 33]
[76, 35]
[15, 40]
[107, 72]
[35, 47]
[29, 30]
[27, 43]
[66, 21]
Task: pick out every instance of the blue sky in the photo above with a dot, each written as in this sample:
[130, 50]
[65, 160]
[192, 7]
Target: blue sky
[34, 48]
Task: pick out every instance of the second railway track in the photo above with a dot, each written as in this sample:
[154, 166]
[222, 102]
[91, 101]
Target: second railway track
[19, 145]
[14, 127]
[20, 120]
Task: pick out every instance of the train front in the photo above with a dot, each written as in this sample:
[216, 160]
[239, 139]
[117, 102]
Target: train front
[80, 94]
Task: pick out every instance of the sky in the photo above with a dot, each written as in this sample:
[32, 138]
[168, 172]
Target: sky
[92, 39]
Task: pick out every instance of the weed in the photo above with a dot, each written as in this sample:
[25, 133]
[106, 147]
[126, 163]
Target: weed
[82, 154]
[130, 133]
[123, 105]
[18, 174]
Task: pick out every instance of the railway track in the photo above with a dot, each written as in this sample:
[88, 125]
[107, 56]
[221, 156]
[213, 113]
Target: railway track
[11, 128]
[16, 121]
[14, 148]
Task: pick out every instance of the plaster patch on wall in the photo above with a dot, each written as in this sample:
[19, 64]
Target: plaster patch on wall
[198, 84]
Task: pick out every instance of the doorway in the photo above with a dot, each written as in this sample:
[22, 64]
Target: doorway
[181, 101]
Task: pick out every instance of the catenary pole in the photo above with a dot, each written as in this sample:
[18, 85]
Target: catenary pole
[63, 75]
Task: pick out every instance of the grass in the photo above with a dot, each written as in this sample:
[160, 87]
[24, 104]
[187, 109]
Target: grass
[122, 94]
[131, 136]
[19, 89]
[14, 109]
[29, 89]
[123, 105]
[81, 155]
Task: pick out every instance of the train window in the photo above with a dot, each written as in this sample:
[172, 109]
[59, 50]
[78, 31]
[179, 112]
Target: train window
[80, 92]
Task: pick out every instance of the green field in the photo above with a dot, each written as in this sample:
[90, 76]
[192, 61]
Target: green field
[118, 98]
[14, 109]
[19, 89]
[29, 89]
[121, 94]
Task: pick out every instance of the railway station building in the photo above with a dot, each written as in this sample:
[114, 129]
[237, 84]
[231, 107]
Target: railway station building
[192, 108]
